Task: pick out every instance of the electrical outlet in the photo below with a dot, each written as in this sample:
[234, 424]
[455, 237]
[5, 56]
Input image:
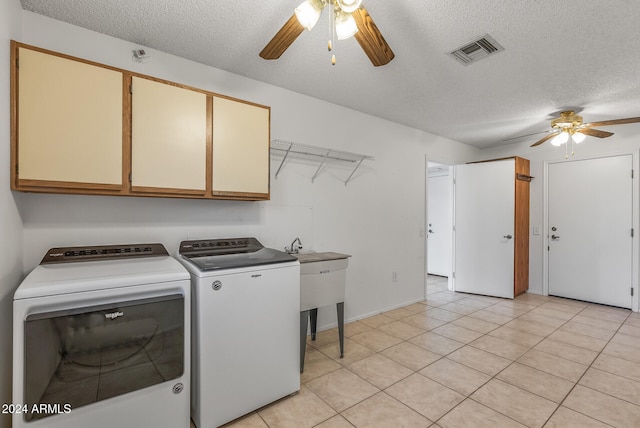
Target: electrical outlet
[394, 276]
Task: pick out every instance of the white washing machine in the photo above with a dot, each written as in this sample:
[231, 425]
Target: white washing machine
[102, 339]
[245, 327]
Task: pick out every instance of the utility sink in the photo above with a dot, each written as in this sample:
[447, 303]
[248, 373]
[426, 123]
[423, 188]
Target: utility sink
[322, 283]
[322, 279]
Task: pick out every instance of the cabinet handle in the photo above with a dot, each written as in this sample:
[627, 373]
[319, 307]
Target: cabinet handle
[257, 275]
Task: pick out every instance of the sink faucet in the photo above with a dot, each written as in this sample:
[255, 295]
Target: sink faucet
[293, 249]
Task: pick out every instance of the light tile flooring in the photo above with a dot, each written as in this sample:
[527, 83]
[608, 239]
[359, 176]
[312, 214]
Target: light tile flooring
[460, 360]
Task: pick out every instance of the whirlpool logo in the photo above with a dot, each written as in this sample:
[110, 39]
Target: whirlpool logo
[113, 315]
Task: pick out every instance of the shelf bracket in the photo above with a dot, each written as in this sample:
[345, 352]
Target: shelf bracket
[354, 170]
[323, 153]
[321, 164]
[284, 159]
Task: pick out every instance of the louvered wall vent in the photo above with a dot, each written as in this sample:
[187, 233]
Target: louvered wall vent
[478, 49]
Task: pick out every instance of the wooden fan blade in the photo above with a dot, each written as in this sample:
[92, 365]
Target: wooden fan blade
[370, 38]
[615, 122]
[283, 39]
[595, 132]
[545, 138]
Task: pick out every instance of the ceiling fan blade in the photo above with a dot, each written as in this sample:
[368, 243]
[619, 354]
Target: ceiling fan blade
[525, 136]
[615, 122]
[594, 132]
[370, 38]
[283, 39]
[545, 138]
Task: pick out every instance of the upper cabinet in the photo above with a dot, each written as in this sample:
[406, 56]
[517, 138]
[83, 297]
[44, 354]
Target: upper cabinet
[240, 149]
[82, 127]
[69, 123]
[168, 138]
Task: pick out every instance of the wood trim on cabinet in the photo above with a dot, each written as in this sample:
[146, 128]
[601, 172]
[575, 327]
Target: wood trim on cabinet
[167, 191]
[268, 196]
[521, 228]
[209, 151]
[30, 185]
[241, 195]
[127, 115]
[14, 115]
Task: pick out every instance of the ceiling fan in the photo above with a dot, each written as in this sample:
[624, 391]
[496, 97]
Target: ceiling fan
[569, 127]
[349, 18]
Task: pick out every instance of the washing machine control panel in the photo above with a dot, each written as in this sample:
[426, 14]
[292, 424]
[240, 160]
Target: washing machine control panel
[102, 252]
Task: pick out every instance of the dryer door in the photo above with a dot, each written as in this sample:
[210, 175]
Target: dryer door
[84, 355]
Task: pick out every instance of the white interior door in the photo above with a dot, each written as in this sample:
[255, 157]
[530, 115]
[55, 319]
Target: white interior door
[439, 226]
[484, 228]
[590, 221]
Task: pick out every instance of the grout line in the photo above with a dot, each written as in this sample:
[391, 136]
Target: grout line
[429, 307]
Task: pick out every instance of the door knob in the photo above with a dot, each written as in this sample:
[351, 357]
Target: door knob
[555, 237]
[430, 231]
[507, 236]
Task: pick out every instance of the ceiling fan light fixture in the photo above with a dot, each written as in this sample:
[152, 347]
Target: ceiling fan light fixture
[578, 137]
[308, 13]
[345, 24]
[560, 139]
[349, 5]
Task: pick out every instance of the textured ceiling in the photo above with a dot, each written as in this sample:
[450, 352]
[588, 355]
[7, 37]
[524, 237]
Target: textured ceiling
[573, 53]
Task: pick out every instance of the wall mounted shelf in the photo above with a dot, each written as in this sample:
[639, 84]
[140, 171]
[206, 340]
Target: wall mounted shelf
[285, 148]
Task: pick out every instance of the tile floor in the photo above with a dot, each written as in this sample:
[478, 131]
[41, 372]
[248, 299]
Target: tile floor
[460, 360]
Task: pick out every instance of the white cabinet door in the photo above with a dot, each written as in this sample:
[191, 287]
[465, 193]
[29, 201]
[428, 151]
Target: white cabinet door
[168, 137]
[484, 228]
[590, 221]
[70, 122]
[240, 147]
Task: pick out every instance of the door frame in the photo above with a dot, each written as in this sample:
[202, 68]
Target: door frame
[427, 160]
[635, 197]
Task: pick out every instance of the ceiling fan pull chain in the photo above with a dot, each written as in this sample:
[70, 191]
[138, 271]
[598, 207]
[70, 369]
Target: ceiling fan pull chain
[332, 26]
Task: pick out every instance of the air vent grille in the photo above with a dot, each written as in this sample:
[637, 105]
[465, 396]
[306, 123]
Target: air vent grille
[476, 50]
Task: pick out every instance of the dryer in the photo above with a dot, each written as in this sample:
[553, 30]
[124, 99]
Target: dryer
[102, 339]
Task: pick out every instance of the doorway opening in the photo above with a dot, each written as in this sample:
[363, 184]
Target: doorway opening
[439, 228]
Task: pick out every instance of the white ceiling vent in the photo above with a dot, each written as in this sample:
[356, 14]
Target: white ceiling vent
[476, 50]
